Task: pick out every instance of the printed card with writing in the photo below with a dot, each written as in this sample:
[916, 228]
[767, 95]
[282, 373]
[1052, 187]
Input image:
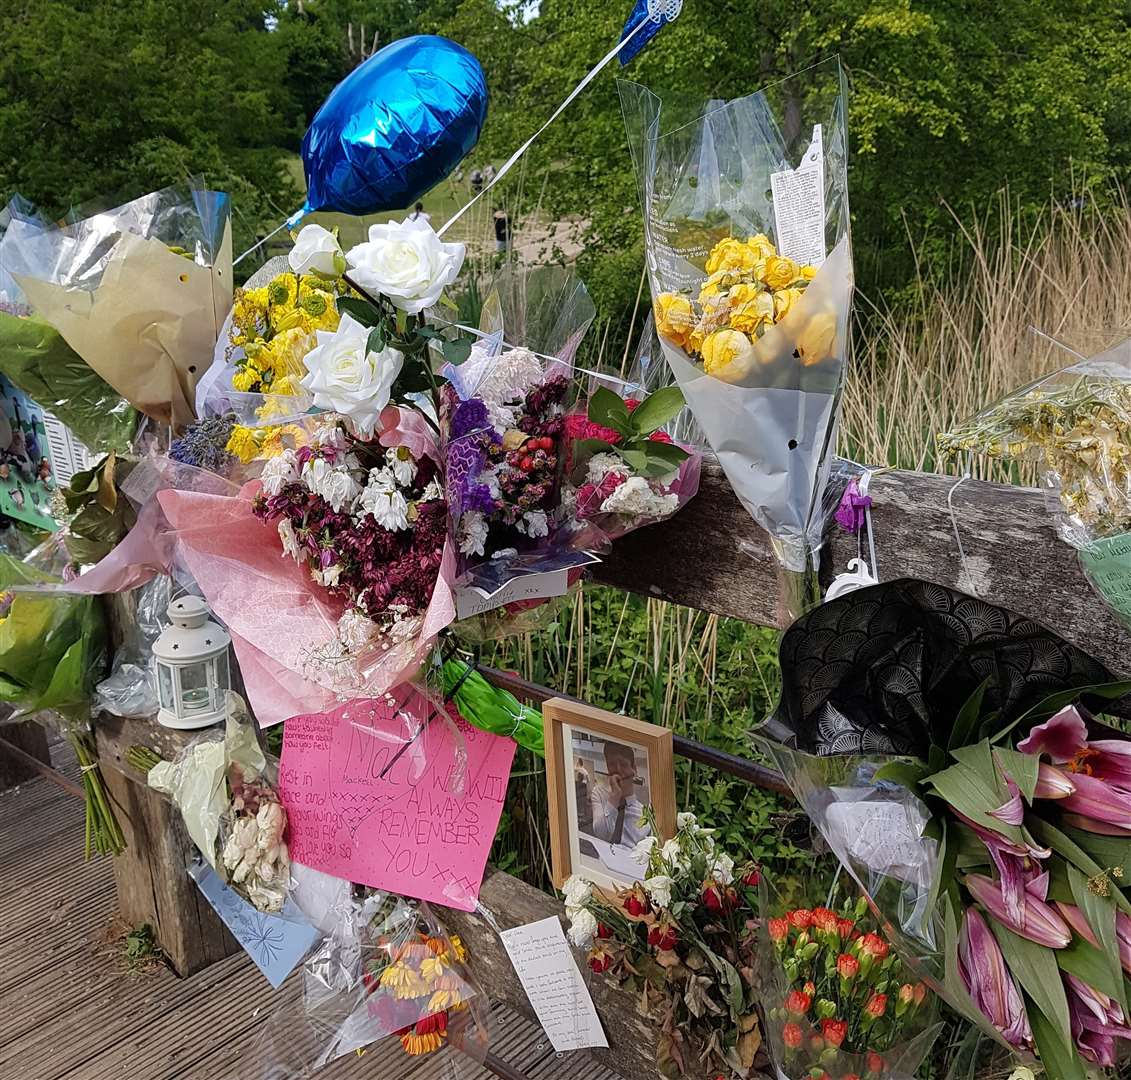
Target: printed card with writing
[369, 802]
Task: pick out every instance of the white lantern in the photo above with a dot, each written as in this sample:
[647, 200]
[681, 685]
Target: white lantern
[192, 667]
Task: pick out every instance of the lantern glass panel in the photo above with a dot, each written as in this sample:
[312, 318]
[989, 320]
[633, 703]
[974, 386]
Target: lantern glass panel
[222, 676]
[196, 695]
[165, 688]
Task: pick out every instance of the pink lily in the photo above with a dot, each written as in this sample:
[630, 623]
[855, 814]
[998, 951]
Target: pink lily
[1097, 1021]
[1012, 811]
[1064, 738]
[1101, 801]
[1088, 824]
[989, 980]
[1039, 921]
[1075, 918]
[1052, 783]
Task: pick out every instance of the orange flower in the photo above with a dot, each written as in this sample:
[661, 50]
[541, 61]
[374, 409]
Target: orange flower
[797, 1003]
[779, 929]
[834, 1031]
[876, 1006]
[874, 946]
[825, 920]
[847, 966]
[791, 1036]
[844, 928]
[876, 1063]
[800, 918]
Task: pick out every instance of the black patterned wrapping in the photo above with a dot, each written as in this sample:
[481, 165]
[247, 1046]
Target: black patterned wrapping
[886, 669]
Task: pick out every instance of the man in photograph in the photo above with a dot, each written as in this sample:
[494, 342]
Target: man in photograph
[614, 803]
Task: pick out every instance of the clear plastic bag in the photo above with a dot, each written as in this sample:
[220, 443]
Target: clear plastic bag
[139, 292]
[131, 687]
[749, 260]
[501, 418]
[1075, 427]
[387, 971]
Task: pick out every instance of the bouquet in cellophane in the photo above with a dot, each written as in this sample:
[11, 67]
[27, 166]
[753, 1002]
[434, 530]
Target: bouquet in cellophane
[750, 266]
[389, 974]
[1075, 427]
[949, 752]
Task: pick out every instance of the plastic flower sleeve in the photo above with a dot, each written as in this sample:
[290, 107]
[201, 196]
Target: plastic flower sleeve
[749, 261]
[388, 973]
[139, 292]
[1074, 427]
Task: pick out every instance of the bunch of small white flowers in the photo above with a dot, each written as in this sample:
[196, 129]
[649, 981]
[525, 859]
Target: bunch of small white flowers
[583, 925]
[255, 854]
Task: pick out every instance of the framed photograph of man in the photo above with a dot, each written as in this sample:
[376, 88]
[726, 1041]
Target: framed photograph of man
[603, 771]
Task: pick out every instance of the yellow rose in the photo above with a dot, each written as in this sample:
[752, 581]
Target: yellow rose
[780, 271]
[809, 272]
[817, 339]
[761, 246]
[751, 309]
[730, 254]
[784, 301]
[727, 355]
[674, 318]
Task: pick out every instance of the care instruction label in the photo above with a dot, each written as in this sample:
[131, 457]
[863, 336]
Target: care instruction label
[799, 205]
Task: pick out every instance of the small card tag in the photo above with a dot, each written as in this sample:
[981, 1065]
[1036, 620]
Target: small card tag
[548, 973]
[799, 205]
[275, 943]
[473, 600]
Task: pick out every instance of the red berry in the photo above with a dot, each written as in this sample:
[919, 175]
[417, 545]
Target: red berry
[546, 443]
[526, 464]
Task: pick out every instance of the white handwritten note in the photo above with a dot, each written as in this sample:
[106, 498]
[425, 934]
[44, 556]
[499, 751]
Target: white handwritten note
[549, 975]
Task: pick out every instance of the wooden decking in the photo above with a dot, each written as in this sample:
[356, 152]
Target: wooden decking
[68, 1008]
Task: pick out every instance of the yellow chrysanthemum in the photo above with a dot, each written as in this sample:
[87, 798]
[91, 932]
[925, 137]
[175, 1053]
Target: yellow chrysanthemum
[242, 443]
[458, 949]
[444, 999]
[402, 982]
[282, 290]
[730, 254]
[245, 380]
[751, 308]
[780, 271]
[431, 968]
[762, 246]
[784, 301]
[728, 355]
[421, 1044]
[809, 272]
[674, 318]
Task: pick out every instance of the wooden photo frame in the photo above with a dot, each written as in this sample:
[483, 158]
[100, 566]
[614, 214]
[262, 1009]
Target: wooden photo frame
[601, 769]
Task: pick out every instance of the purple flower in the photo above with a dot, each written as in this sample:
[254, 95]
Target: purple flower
[1097, 1021]
[1038, 920]
[468, 416]
[989, 980]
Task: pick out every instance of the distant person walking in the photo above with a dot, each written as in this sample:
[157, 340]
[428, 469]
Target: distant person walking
[502, 232]
[489, 173]
[418, 214]
[476, 181]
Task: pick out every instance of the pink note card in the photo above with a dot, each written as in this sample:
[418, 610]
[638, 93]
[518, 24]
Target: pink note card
[424, 828]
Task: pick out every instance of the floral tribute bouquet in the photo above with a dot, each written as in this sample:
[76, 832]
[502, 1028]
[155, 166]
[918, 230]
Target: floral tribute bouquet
[747, 243]
[949, 753]
[845, 1005]
[624, 470]
[387, 970]
[1075, 426]
[685, 937]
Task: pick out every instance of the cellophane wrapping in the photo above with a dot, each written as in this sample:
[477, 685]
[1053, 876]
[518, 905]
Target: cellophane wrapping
[139, 291]
[387, 973]
[1074, 426]
[746, 230]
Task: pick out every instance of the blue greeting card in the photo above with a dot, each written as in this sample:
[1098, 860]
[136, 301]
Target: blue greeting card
[275, 943]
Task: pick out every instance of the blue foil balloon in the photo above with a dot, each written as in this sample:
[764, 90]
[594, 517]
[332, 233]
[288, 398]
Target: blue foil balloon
[394, 127]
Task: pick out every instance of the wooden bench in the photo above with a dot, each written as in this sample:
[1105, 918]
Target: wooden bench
[1012, 557]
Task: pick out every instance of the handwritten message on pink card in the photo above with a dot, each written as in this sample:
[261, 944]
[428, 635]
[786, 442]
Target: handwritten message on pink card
[412, 831]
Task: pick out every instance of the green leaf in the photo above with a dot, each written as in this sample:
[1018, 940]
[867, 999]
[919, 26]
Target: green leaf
[376, 340]
[1086, 962]
[362, 310]
[967, 719]
[1051, 705]
[637, 460]
[457, 351]
[944, 871]
[656, 410]
[1052, 837]
[1100, 913]
[1022, 769]
[584, 449]
[608, 410]
[662, 458]
[1108, 851]
[402, 321]
[974, 788]
[732, 983]
[1054, 1049]
[1036, 970]
[908, 773]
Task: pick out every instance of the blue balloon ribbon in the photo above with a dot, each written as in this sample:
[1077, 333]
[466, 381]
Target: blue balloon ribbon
[394, 127]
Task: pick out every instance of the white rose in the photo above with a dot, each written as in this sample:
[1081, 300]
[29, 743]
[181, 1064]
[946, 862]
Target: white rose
[642, 851]
[317, 252]
[577, 891]
[278, 472]
[583, 929]
[346, 378]
[723, 870]
[682, 821]
[659, 889]
[673, 855]
[405, 262]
